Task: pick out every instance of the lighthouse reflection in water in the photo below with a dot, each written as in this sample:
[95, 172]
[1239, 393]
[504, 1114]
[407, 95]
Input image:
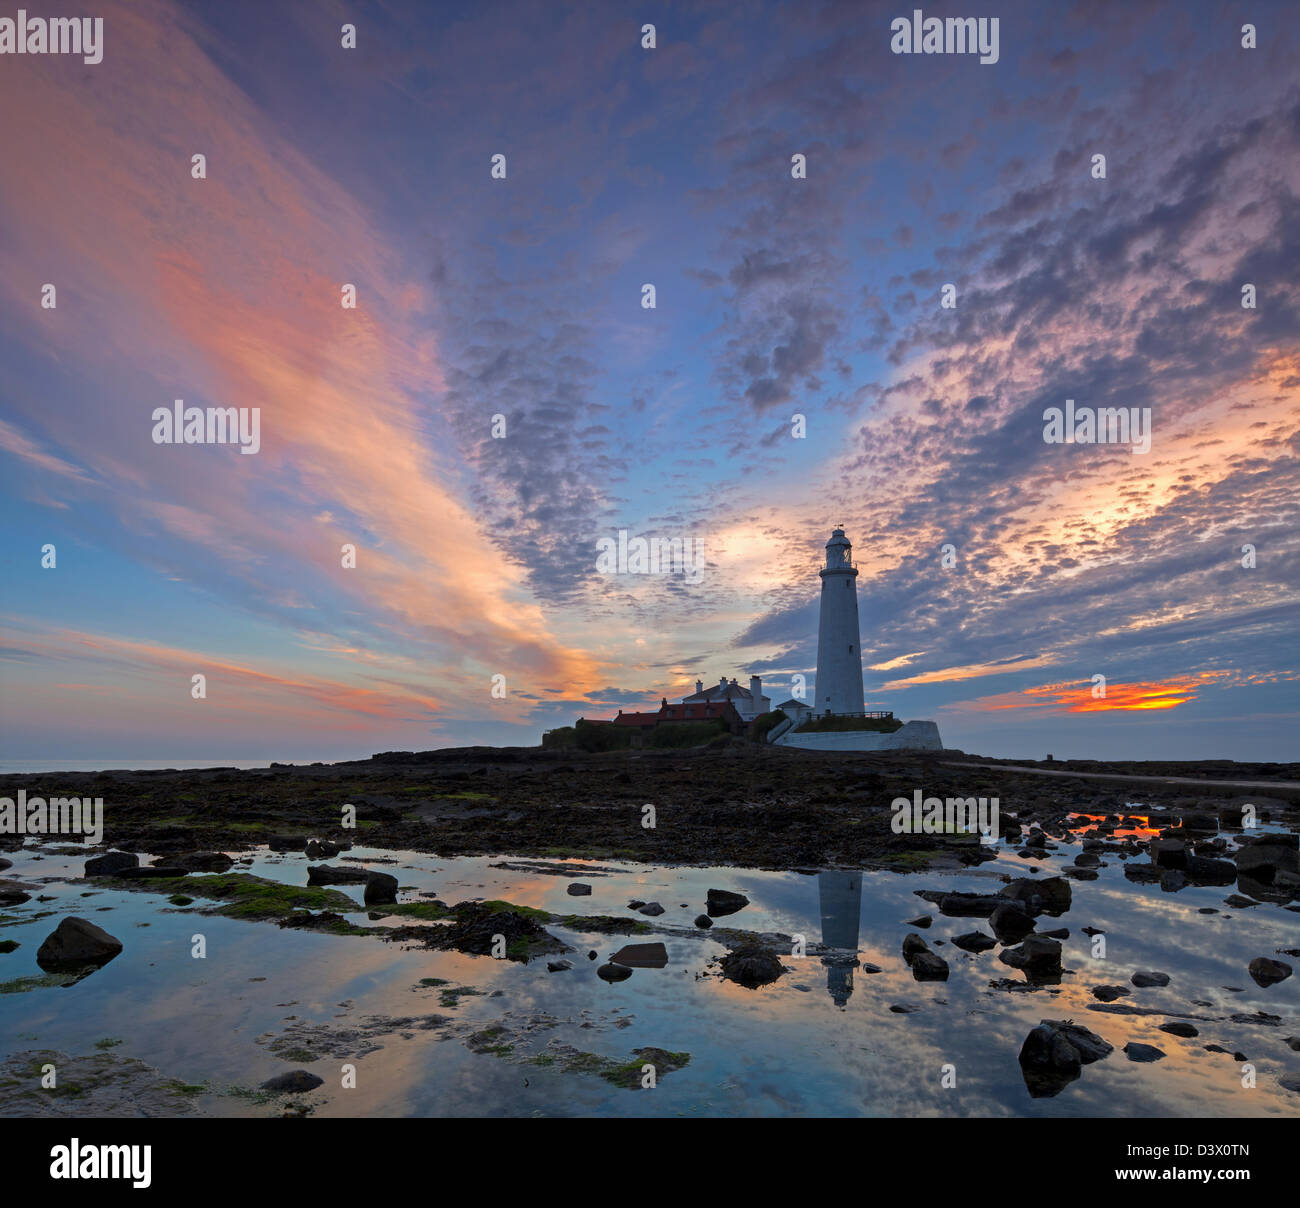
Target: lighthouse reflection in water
[841, 907]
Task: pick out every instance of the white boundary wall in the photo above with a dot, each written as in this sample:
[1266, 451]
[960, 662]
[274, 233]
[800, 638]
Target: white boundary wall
[913, 736]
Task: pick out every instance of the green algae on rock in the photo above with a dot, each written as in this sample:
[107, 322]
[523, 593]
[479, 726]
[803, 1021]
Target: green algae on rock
[243, 896]
[98, 1084]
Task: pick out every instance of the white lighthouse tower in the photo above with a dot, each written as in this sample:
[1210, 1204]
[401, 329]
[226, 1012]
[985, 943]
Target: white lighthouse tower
[839, 653]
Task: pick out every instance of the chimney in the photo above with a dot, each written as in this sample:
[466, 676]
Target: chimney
[699, 685]
[722, 684]
[755, 688]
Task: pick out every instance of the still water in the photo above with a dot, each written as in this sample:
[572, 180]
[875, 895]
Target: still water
[820, 1041]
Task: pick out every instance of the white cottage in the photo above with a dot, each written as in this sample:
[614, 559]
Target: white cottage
[748, 702]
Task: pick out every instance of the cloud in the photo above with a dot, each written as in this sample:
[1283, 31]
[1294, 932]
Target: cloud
[1080, 696]
[15, 442]
[238, 692]
[777, 296]
[227, 290]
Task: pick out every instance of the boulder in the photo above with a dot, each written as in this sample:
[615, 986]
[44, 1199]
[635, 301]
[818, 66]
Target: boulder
[974, 941]
[652, 909]
[111, 863]
[752, 965]
[703, 921]
[287, 842]
[641, 956]
[1145, 978]
[929, 966]
[76, 942]
[1178, 1028]
[333, 874]
[558, 966]
[723, 902]
[1142, 1052]
[613, 973]
[1087, 1044]
[1110, 993]
[1268, 972]
[1046, 1049]
[15, 893]
[1262, 857]
[1054, 1052]
[380, 887]
[1202, 871]
[969, 905]
[296, 1082]
[1279, 889]
[578, 890]
[322, 849]
[1050, 895]
[913, 946]
[1011, 922]
[1037, 957]
[1168, 853]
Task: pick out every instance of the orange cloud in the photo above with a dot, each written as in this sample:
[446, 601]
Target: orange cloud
[1077, 696]
[269, 691]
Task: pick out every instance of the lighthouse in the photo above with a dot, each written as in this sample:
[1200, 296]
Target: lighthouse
[839, 654]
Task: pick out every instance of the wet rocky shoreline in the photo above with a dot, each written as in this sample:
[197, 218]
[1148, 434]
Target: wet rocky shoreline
[457, 858]
[736, 804]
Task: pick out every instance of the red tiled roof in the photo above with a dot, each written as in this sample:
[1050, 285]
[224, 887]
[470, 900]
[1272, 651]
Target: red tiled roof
[636, 719]
[703, 711]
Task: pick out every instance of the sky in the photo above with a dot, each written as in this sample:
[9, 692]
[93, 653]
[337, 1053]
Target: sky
[500, 398]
